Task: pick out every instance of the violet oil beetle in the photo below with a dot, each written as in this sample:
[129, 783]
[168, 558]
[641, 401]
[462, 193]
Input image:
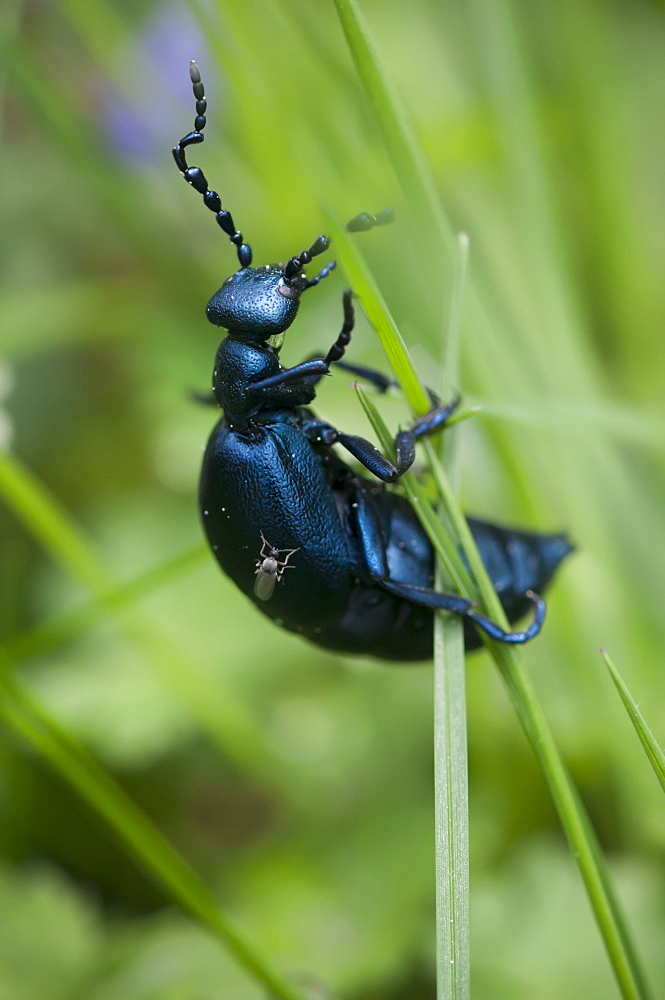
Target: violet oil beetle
[275, 495]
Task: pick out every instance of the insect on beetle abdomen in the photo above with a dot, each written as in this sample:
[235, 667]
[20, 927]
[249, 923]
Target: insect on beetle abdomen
[270, 569]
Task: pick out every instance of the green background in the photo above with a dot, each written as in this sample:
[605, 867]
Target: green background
[298, 784]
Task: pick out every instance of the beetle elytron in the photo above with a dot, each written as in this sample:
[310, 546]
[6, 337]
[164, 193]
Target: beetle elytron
[360, 569]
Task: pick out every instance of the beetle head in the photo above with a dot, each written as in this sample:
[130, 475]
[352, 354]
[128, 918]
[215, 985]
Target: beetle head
[255, 302]
[261, 302]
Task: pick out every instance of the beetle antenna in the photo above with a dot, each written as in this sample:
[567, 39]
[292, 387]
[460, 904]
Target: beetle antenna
[358, 224]
[295, 265]
[323, 273]
[196, 177]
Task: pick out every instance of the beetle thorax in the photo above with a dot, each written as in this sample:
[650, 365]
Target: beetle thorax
[237, 364]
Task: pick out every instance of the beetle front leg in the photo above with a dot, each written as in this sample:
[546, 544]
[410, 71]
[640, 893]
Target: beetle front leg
[371, 457]
[319, 432]
[336, 353]
[289, 376]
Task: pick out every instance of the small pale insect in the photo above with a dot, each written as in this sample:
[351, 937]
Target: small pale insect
[270, 569]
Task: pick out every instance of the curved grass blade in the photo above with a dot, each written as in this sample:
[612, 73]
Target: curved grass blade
[151, 850]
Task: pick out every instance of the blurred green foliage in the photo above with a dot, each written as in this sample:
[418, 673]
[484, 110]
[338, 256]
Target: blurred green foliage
[297, 784]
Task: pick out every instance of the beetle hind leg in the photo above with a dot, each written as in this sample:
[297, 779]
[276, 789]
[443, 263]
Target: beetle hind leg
[373, 547]
[495, 631]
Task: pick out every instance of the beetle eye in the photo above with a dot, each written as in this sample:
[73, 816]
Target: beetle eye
[228, 281]
[287, 291]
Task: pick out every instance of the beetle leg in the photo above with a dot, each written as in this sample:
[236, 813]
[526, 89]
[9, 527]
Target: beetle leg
[434, 419]
[319, 432]
[495, 631]
[374, 461]
[364, 221]
[323, 273]
[377, 379]
[338, 348]
[371, 457]
[203, 398]
[380, 381]
[373, 546]
[296, 374]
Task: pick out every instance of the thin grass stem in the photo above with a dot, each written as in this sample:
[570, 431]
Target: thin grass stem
[451, 777]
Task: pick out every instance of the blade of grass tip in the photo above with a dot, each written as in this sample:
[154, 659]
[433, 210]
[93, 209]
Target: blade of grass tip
[150, 849]
[646, 737]
[451, 340]
[460, 415]
[377, 313]
[451, 794]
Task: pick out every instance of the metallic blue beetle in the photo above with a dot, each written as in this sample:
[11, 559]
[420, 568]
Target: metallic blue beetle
[321, 550]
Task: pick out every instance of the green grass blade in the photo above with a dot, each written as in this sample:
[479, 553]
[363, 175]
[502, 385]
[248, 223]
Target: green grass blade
[48, 635]
[574, 820]
[453, 953]
[411, 166]
[451, 773]
[377, 313]
[572, 815]
[451, 797]
[50, 525]
[150, 849]
[646, 737]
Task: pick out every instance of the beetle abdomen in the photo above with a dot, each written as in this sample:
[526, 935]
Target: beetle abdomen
[267, 484]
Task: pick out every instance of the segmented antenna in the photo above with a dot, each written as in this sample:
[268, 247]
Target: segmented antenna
[358, 224]
[196, 177]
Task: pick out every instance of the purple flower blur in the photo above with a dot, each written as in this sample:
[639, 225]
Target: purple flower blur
[159, 58]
